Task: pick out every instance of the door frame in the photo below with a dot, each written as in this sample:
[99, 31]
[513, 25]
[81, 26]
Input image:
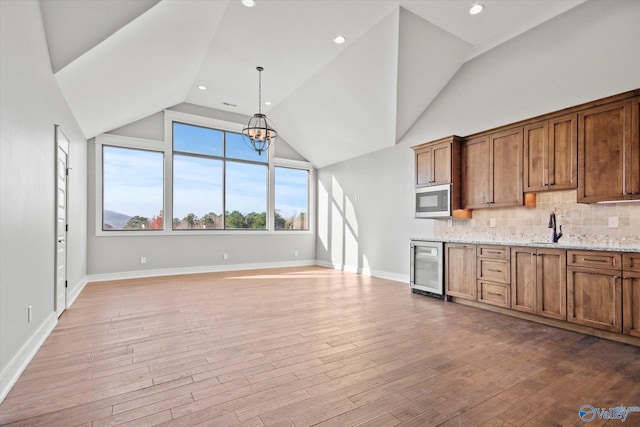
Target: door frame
[61, 142]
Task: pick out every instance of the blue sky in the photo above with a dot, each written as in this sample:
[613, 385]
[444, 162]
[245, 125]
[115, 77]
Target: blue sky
[133, 178]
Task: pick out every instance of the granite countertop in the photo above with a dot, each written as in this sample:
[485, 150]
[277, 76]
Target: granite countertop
[560, 245]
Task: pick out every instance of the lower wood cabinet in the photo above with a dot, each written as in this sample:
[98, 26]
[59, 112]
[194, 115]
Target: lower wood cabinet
[631, 294]
[494, 293]
[460, 270]
[598, 289]
[494, 276]
[594, 298]
[538, 281]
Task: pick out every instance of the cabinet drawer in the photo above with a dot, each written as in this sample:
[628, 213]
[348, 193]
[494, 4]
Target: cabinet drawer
[494, 293]
[631, 262]
[595, 259]
[494, 270]
[497, 252]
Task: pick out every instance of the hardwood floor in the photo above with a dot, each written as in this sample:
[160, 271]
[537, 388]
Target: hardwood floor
[309, 346]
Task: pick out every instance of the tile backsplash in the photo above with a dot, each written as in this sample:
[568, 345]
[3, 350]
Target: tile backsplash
[582, 224]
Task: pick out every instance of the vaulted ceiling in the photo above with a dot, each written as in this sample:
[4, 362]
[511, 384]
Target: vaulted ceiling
[117, 62]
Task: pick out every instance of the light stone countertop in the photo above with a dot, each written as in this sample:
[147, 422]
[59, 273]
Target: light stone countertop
[560, 245]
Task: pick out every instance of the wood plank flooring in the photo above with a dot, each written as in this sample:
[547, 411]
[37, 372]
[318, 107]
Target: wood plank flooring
[309, 346]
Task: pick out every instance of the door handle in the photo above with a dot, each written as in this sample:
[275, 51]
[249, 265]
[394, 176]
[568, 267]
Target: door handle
[60, 240]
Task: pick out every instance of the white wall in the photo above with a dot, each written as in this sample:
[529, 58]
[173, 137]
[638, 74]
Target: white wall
[587, 53]
[30, 104]
[113, 256]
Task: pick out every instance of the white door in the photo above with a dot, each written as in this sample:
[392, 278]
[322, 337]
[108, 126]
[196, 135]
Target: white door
[62, 157]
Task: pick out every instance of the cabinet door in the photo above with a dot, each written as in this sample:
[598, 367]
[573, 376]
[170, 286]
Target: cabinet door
[441, 167]
[594, 298]
[562, 169]
[632, 178]
[631, 300]
[551, 283]
[505, 166]
[460, 270]
[424, 160]
[475, 173]
[604, 145]
[523, 280]
[536, 159]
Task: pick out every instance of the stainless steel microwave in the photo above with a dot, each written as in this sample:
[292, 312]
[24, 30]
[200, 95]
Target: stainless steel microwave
[433, 202]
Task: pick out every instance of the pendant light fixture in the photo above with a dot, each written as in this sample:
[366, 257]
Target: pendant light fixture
[259, 132]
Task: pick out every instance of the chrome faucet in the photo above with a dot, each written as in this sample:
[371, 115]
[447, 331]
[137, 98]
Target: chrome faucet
[555, 236]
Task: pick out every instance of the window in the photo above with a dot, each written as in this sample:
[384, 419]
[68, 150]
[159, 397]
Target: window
[291, 198]
[214, 171]
[202, 178]
[132, 189]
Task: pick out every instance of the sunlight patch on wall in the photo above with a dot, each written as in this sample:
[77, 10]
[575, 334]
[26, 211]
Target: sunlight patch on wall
[323, 216]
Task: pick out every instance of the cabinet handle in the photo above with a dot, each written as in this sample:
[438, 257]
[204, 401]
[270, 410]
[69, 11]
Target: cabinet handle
[493, 252]
[594, 260]
[494, 293]
[494, 270]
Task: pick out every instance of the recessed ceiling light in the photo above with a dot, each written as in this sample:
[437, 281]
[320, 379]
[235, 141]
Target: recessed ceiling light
[339, 39]
[202, 87]
[249, 3]
[267, 102]
[476, 9]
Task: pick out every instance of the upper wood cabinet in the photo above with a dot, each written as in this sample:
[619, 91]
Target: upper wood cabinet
[609, 152]
[492, 170]
[438, 162]
[551, 154]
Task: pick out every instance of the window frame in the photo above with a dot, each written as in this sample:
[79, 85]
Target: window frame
[293, 164]
[166, 147]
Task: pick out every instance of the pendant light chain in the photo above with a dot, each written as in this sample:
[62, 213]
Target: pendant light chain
[259, 133]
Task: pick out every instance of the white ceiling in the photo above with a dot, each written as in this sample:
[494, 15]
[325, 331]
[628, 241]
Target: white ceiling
[118, 62]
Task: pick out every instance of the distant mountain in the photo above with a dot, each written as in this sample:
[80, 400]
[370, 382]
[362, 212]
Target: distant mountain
[115, 220]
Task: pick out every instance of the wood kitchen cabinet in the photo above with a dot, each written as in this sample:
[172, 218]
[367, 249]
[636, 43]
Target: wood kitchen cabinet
[493, 275]
[594, 289]
[492, 170]
[631, 294]
[460, 270]
[551, 154]
[438, 162]
[539, 281]
[609, 152]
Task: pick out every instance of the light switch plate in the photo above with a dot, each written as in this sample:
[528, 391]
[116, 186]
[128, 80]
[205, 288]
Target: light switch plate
[492, 222]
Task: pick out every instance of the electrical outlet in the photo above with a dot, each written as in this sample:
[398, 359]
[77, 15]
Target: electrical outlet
[492, 222]
[143, 260]
[295, 253]
[449, 223]
[29, 313]
[613, 222]
[225, 256]
[472, 223]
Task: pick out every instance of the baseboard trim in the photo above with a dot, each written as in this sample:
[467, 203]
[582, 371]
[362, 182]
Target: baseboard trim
[104, 277]
[72, 293]
[19, 362]
[365, 271]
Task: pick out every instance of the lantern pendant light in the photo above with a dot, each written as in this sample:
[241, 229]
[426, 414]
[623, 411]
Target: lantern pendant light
[259, 132]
